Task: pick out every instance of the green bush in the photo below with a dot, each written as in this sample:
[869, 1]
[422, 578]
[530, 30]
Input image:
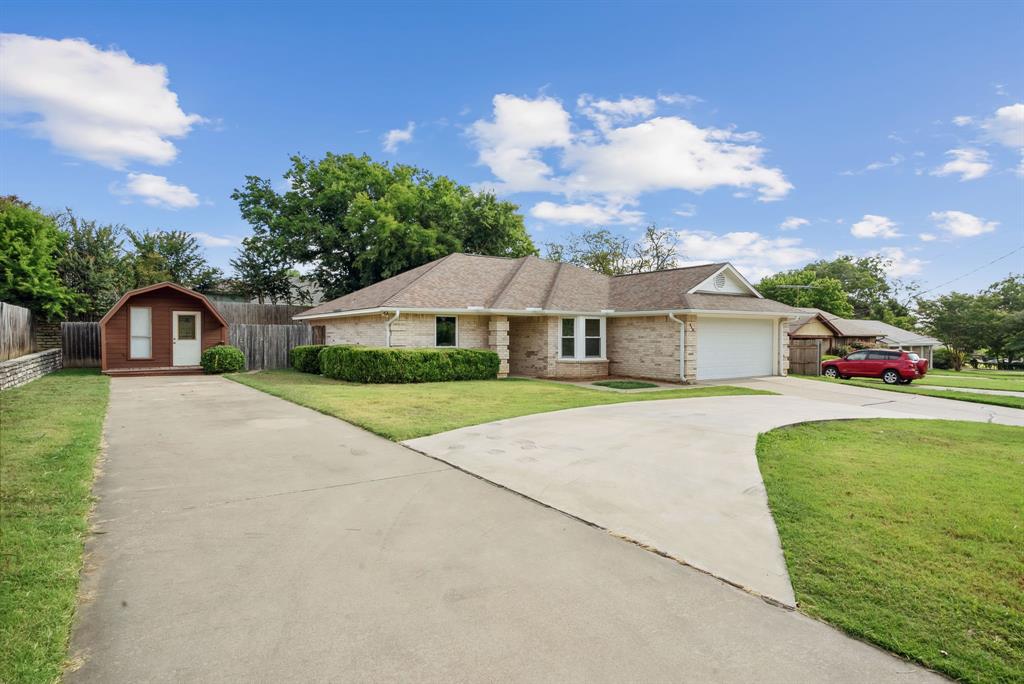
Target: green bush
[383, 365]
[941, 358]
[306, 358]
[840, 350]
[828, 357]
[222, 359]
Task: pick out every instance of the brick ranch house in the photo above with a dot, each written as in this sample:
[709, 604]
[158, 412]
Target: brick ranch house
[556, 320]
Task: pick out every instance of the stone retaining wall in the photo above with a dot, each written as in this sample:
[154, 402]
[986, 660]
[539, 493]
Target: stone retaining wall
[29, 367]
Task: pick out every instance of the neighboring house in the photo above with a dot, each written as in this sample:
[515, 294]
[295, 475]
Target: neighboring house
[159, 329]
[549, 319]
[816, 323]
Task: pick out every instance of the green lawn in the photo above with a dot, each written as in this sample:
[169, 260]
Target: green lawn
[406, 411]
[873, 383]
[907, 533]
[625, 384]
[994, 380]
[50, 438]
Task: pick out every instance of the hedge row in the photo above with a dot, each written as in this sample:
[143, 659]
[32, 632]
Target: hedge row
[384, 365]
[306, 358]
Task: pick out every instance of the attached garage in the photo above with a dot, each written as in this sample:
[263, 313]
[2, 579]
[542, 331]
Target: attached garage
[734, 347]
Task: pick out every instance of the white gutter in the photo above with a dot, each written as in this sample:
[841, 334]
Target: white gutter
[548, 312]
[387, 335]
[682, 346]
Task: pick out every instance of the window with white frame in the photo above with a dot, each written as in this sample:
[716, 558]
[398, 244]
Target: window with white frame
[446, 331]
[582, 338]
[141, 332]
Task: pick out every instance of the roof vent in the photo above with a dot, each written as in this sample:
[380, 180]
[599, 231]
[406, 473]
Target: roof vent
[720, 281]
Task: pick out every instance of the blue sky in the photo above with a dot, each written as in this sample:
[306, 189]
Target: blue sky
[766, 134]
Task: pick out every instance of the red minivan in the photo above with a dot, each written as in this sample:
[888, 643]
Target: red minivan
[892, 365]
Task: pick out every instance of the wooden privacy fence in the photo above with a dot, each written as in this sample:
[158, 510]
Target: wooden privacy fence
[15, 331]
[252, 314]
[805, 356]
[81, 344]
[267, 346]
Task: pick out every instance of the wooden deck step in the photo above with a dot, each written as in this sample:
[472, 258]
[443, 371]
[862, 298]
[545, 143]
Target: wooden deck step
[156, 370]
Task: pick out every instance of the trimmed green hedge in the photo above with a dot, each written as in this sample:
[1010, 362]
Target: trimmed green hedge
[306, 357]
[383, 365]
[222, 359]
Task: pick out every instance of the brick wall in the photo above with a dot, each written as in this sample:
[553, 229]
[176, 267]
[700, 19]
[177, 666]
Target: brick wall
[47, 334]
[783, 349]
[366, 330]
[29, 367]
[527, 346]
[643, 347]
[418, 330]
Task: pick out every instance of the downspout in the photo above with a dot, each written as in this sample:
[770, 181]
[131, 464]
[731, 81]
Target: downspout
[682, 346]
[387, 341]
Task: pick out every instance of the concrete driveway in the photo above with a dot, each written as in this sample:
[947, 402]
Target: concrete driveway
[677, 475]
[242, 538]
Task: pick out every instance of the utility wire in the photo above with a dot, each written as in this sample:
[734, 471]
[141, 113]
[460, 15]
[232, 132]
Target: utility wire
[960, 277]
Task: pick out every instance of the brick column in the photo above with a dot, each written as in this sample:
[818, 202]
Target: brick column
[783, 348]
[690, 350]
[497, 341]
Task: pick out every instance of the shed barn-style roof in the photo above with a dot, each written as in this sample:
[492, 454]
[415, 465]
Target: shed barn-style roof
[160, 286]
[529, 284]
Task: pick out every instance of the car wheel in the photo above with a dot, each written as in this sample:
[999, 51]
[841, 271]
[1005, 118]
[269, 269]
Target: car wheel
[831, 372]
[890, 377]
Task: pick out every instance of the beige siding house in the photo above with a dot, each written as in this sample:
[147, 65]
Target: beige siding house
[555, 320]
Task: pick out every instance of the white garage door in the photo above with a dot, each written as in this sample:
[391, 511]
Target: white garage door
[733, 348]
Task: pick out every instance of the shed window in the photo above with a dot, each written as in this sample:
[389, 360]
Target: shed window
[446, 331]
[141, 331]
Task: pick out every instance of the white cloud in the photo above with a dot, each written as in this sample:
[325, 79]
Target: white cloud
[396, 136]
[898, 264]
[207, 240]
[926, 237]
[872, 226]
[962, 224]
[970, 162]
[156, 191]
[588, 213]
[963, 120]
[1006, 126]
[755, 255]
[95, 104]
[686, 210]
[619, 162]
[894, 160]
[793, 223]
[678, 98]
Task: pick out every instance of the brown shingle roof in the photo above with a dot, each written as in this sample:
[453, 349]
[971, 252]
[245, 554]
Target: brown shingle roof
[460, 281]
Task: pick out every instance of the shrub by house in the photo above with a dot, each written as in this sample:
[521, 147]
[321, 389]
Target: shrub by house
[384, 365]
[222, 359]
[306, 358]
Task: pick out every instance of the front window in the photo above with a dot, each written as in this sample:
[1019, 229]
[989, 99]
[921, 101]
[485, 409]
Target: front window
[446, 330]
[568, 338]
[582, 338]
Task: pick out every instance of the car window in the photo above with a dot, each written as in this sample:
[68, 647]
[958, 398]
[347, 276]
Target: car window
[913, 357]
[857, 356]
[878, 356]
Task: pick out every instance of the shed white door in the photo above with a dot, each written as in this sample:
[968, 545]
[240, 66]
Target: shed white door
[186, 338]
[734, 348]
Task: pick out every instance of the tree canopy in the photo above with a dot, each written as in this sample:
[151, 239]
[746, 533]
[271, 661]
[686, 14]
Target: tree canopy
[806, 289]
[90, 263]
[29, 239]
[262, 272]
[172, 255]
[355, 221]
[610, 254]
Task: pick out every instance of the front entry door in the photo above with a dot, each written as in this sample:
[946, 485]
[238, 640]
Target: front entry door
[186, 337]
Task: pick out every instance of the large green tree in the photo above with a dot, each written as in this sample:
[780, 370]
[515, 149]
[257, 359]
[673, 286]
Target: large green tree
[29, 239]
[262, 272]
[1005, 337]
[610, 254]
[355, 221]
[807, 289]
[962, 321]
[91, 263]
[169, 255]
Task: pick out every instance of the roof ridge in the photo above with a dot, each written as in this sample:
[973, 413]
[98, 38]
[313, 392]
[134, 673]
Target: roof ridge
[667, 270]
[508, 281]
[434, 264]
[554, 284]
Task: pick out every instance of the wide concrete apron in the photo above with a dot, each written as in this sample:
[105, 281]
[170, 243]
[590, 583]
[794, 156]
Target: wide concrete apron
[678, 475]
